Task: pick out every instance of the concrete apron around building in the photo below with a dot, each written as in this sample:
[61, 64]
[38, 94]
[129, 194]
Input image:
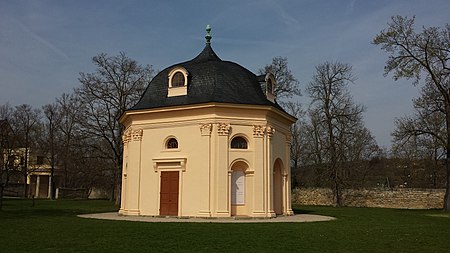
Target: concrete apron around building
[286, 219]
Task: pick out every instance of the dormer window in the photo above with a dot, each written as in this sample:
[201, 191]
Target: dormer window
[178, 81]
[270, 87]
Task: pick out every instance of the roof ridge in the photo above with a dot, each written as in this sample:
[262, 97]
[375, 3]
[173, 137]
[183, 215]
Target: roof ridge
[207, 54]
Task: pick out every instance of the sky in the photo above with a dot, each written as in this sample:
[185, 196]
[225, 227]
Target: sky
[45, 44]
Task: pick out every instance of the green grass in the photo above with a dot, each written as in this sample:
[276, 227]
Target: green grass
[52, 226]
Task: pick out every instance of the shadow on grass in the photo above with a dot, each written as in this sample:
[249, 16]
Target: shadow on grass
[25, 208]
[302, 211]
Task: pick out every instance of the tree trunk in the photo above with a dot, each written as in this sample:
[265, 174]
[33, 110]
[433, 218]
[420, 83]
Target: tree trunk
[1, 197]
[336, 187]
[25, 185]
[118, 182]
[447, 160]
[447, 186]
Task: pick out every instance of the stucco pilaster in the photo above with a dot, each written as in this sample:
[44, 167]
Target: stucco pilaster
[270, 131]
[222, 176]
[133, 170]
[259, 182]
[287, 179]
[126, 138]
[207, 207]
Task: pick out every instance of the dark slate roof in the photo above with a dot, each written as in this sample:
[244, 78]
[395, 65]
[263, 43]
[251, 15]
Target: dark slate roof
[210, 80]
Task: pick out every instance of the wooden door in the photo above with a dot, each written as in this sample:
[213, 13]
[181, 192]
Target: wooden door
[169, 193]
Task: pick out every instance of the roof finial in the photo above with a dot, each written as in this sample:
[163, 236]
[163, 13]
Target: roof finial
[208, 34]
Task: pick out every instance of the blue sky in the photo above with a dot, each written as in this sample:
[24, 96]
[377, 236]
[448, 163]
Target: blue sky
[45, 44]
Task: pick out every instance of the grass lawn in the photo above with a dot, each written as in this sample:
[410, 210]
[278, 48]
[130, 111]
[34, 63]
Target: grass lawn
[52, 226]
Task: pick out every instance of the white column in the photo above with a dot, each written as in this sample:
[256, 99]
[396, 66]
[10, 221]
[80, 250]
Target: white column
[49, 194]
[38, 182]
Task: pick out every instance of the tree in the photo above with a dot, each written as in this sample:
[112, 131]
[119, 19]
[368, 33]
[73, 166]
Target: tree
[25, 121]
[6, 142]
[297, 134]
[337, 130]
[71, 135]
[414, 145]
[287, 84]
[115, 86]
[422, 56]
[50, 139]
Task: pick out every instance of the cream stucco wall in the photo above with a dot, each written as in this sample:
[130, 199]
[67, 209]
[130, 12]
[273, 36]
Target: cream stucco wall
[204, 158]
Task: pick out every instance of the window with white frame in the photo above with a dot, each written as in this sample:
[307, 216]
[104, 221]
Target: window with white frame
[177, 82]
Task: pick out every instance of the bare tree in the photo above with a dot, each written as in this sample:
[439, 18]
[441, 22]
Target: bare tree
[421, 56]
[287, 85]
[71, 134]
[25, 121]
[115, 86]
[336, 122]
[297, 134]
[411, 141]
[50, 140]
[6, 143]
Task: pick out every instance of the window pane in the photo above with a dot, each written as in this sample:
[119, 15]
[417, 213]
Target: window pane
[178, 80]
[239, 142]
[172, 143]
[270, 86]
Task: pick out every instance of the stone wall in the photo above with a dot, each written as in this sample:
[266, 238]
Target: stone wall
[71, 193]
[386, 198]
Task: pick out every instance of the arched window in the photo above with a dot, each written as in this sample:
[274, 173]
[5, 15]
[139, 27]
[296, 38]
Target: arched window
[270, 87]
[172, 143]
[177, 82]
[239, 143]
[178, 79]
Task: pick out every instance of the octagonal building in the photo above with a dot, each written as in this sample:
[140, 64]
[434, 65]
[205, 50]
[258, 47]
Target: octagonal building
[207, 139]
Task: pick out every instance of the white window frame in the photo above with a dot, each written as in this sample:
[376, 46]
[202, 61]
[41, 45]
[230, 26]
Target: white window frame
[270, 95]
[181, 90]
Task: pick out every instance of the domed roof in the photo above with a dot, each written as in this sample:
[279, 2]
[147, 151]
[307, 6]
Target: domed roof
[210, 79]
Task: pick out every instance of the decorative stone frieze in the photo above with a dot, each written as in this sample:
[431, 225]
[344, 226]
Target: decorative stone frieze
[126, 136]
[137, 134]
[206, 129]
[270, 131]
[258, 131]
[223, 128]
